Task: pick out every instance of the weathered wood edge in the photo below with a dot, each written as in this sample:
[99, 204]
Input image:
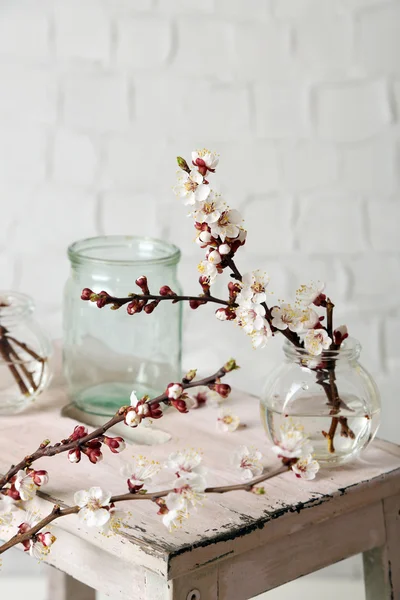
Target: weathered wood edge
[281, 522]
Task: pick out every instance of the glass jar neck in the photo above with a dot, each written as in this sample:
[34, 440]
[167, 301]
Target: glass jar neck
[349, 351]
[14, 307]
[123, 251]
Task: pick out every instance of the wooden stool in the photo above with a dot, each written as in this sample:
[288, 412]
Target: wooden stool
[235, 546]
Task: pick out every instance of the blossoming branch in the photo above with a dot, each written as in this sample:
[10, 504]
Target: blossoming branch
[220, 232]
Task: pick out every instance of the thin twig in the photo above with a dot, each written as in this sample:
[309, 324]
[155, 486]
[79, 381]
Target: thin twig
[57, 512]
[66, 445]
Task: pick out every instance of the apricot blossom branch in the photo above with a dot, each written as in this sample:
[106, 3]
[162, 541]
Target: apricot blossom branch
[30, 534]
[80, 441]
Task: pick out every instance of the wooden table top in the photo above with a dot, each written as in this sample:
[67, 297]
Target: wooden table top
[226, 524]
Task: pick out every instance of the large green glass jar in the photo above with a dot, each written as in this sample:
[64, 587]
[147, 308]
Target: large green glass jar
[108, 353]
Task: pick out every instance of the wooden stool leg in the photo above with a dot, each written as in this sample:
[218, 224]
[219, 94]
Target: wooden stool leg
[382, 565]
[61, 586]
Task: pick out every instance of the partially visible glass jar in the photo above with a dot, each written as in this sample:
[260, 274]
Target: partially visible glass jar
[108, 353]
[331, 397]
[25, 352]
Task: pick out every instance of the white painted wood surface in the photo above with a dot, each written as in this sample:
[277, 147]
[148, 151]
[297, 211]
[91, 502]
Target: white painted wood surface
[237, 543]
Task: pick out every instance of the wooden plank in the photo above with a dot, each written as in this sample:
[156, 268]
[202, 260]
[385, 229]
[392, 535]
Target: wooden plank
[283, 560]
[382, 564]
[61, 586]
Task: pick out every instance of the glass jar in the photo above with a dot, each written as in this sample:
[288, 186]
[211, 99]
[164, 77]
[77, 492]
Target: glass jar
[25, 352]
[108, 353]
[331, 397]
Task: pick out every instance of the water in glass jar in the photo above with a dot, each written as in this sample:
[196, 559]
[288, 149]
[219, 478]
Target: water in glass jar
[314, 417]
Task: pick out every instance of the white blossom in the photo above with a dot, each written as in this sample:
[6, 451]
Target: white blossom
[188, 492]
[293, 442]
[25, 485]
[227, 225]
[256, 282]
[306, 467]
[210, 159]
[203, 395]
[186, 463]
[250, 317]
[316, 340]
[191, 188]
[40, 547]
[174, 518]
[307, 294]
[210, 210]
[261, 336]
[227, 421]
[209, 267]
[140, 470]
[248, 461]
[94, 504]
[203, 238]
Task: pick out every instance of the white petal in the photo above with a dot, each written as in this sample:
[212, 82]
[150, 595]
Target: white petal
[133, 398]
[81, 498]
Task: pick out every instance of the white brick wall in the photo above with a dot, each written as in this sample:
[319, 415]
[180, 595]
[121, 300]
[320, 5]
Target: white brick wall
[300, 97]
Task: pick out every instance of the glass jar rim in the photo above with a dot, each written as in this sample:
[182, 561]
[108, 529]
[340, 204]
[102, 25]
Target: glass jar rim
[14, 305]
[79, 251]
[349, 349]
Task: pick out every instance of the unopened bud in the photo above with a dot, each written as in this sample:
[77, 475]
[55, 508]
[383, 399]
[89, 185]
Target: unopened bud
[116, 444]
[74, 455]
[134, 307]
[224, 249]
[196, 303]
[231, 365]
[205, 283]
[86, 294]
[180, 405]
[190, 375]
[165, 290]
[223, 389]
[148, 309]
[102, 299]
[234, 288]
[142, 283]
[182, 164]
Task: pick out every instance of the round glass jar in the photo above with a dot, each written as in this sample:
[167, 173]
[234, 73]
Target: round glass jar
[331, 397]
[108, 353]
[25, 352]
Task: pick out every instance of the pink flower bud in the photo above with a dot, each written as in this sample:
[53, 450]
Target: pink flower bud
[174, 391]
[165, 290]
[180, 405]
[320, 300]
[148, 309]
[74, 455]
[93, 451]
[79, 432]
[47, 538]
[155, 410]
[221, 314]
[86, 294]
[116, 444]
[196, 303]
[205, 283]
[136, 306]
[142, 283]
[225, 314]
[340, 334]
[39, 477]
[223, 389]
[102, 299]
[234, 288]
